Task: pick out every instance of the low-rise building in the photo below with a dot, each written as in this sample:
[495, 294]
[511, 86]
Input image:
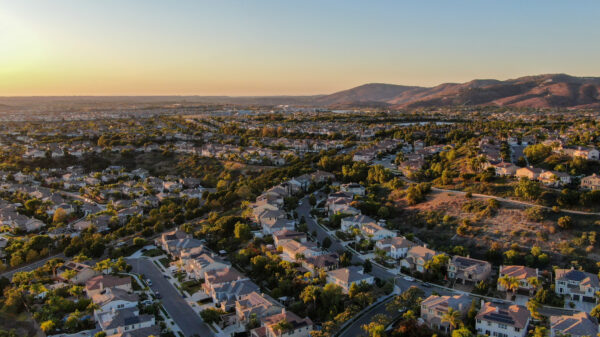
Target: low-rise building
[376, 232]
[353, 188]
[356, 221]
[576, 284]
[522, 274]
[395, 247]
[345, 277]
[255, 304]
[115, 322]
[591, 182]
[496, 320]
[416, 258]
[100, 283]
[434, 307]
[467, 269]
[580, 324]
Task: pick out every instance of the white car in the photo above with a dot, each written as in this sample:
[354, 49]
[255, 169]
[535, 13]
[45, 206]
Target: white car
[409, 279]
[149, 282]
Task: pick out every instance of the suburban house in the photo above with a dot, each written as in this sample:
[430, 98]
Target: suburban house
[395, 247]
[116, 322]
[581, 152]
[198, 266]
[591, 182]
[576, 284]
[325, 262]
[353, 188]
[522, 274]
[286, 234]
[554, 178]
[434, 307]
[341, 206]
[100, 283]
[494, 320]
[344, 277]
[580, 324]
[165, 238]
[531, 173]
[355, 222]
[505, 169]
[255, 303]
[467, 269]
[226, 286]
[114, 299]
[83, 271]
[294, 249]
[416, 258]
[365, 155]
[299, 327]
[376, 232]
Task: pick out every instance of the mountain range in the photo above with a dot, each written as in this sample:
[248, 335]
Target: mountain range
[541, 91]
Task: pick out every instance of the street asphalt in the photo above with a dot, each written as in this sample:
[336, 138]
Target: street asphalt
[186, 318]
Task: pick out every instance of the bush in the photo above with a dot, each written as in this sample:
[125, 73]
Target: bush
[565, 222]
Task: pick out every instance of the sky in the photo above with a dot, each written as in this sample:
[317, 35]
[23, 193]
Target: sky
[284, 47]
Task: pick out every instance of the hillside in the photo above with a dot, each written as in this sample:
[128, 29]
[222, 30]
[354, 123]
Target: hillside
[542, 91]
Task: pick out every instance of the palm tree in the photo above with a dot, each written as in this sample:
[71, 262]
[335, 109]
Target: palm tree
[509, 283]
[534, 282]
[452, 317]
[54, 264]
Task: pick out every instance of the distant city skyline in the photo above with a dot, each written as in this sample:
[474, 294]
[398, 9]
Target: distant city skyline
[244, 48]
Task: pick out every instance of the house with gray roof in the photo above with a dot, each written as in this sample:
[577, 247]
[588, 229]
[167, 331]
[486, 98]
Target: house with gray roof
[577, 325]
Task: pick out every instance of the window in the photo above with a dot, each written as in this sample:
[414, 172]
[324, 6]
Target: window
[517, 329]
[502, 326]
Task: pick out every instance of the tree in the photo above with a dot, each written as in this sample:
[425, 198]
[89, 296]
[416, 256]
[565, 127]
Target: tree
[211, 315]
[312, 200]
[311, 294]
[367, 266]
[47, 326]
[537, 152]
[452, 317]
[540, 331]
[527, 189]
[282, 326]
[54, 264]
[60, 216]
[326, 242]
[374, 329]
[462, 332]
[409, 299]
[534, 308]
[509, 283]
[100, 334]
[242, 231]
[565, 222]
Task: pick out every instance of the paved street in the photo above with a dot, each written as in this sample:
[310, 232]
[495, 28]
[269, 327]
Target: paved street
[185, 317]
[9, 273]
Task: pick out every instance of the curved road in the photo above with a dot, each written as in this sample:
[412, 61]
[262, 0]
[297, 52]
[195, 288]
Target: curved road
[303, 210]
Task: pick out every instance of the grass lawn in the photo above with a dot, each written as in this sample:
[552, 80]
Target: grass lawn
[153, 252]
[165, 262]
[191, 286]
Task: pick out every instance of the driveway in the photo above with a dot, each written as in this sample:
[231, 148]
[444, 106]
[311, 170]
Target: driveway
[179, 310]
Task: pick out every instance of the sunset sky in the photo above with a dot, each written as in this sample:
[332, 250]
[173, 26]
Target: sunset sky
[254, 47]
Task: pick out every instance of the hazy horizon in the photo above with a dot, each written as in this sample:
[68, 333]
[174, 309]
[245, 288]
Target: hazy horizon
[271, 48]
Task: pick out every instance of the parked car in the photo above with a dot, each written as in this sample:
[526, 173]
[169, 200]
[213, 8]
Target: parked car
[409, 279]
